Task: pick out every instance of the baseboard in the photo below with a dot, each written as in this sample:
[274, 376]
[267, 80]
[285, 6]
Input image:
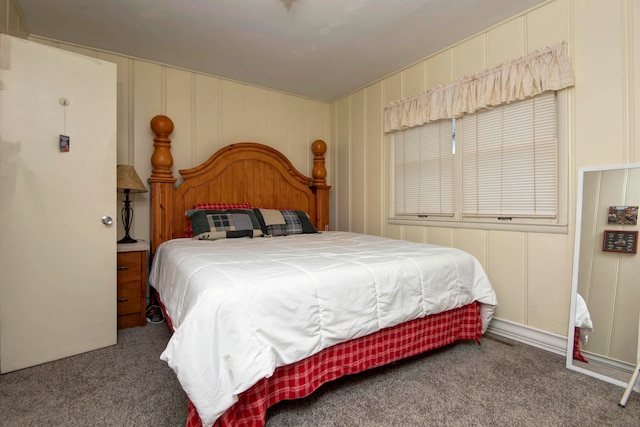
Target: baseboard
[535, 337]
[597, 359]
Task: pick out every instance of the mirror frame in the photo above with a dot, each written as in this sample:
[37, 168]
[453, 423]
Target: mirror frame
[575, 273]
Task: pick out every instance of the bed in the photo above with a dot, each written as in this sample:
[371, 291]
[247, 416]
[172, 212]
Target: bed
[270, 312]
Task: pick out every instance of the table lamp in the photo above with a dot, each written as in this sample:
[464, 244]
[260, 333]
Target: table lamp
[128, 182]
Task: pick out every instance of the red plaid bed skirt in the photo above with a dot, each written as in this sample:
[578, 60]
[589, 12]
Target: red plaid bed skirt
[577, 353]
[300, 379]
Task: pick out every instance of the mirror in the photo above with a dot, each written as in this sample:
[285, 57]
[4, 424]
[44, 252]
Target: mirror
[605, 301]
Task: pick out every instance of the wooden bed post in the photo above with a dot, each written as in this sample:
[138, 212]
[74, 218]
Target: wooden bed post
[161, 182]
[319, 185]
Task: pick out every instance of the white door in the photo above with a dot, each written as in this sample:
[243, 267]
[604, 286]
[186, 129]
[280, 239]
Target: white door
[57, 258]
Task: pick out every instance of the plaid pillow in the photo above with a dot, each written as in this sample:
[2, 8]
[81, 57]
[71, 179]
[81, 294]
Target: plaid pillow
[293, 224]
[188, 231]
[224, 224]
[222, 206]
[305, 223]
[271, 221]
[276, 230]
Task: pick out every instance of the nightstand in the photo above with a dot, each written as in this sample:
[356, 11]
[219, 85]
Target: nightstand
[132, 284]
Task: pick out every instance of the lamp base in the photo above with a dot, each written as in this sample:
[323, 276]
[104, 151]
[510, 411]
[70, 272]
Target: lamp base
[127, 239]
[127, 216]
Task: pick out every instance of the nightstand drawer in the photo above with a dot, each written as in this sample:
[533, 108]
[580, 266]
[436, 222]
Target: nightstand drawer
[128, 298]
[132, 284]
[129, 266]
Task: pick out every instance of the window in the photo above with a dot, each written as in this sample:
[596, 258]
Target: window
[424, 170]
[509, 167]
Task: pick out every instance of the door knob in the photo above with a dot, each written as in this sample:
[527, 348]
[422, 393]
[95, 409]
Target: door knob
[106, 220]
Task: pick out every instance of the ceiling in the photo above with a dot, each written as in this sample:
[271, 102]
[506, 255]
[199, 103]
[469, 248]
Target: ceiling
[322, 49]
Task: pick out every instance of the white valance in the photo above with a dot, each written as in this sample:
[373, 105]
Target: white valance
[546, 69]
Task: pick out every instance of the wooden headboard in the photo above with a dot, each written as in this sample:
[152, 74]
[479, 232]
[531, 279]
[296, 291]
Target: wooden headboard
[242, 172]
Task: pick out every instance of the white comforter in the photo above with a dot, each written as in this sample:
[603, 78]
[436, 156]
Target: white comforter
[583, 319]
[242, 307]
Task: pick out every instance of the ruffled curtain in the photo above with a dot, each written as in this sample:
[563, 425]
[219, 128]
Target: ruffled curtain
[537, 72]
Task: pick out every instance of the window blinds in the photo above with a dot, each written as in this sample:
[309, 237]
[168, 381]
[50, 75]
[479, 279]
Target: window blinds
[510, 160]
[424, 170]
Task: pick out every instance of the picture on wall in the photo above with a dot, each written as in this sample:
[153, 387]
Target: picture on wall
[625, 215]
[620, 241]
[64, 143]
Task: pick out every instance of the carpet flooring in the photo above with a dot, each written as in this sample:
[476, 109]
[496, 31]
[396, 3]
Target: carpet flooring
[498, 383]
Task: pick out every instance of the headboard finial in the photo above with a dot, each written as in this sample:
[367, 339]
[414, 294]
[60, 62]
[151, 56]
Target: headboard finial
[161, 159]
[162, 125]
[319, 173]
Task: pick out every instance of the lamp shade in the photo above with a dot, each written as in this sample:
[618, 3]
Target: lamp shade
[128, 179]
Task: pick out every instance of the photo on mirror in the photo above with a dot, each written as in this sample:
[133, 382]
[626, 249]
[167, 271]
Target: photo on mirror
[620, 241]
[626, 215]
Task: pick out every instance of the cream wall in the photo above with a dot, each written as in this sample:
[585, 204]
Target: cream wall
[208, 113]
[530, 271]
